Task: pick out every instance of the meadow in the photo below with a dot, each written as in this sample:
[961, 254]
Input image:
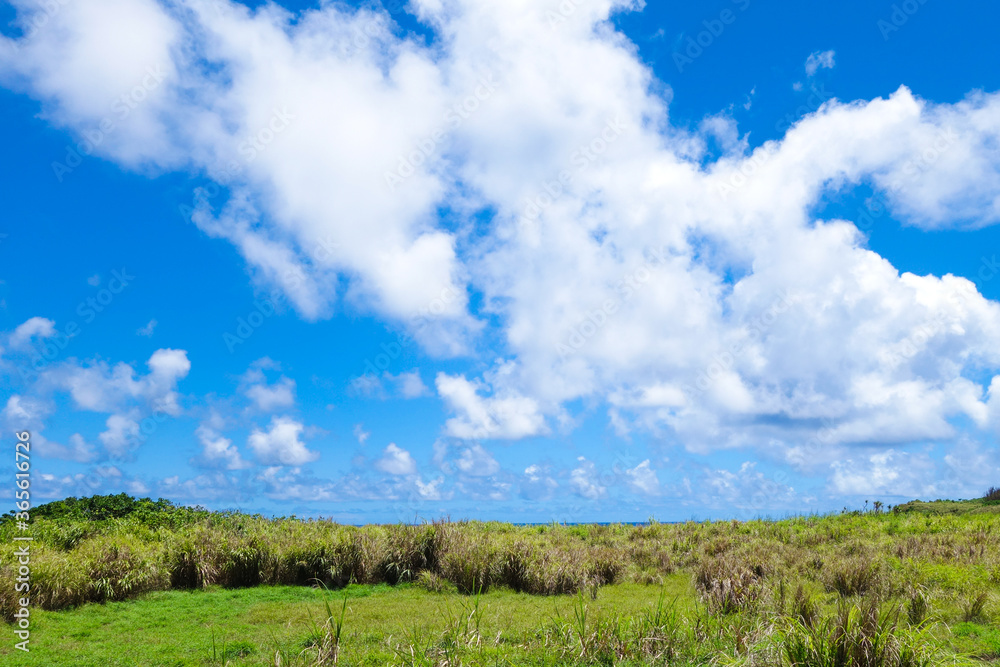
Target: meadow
[914, 586]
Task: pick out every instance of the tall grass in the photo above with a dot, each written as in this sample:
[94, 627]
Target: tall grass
[735, 566]
[859, 635]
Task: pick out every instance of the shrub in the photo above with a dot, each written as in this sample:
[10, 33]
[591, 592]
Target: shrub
[974, 609]
[243, 563]
[730, 584]
[515, 561]
[193, 558]
[858, 636]
[805, 608]
[406, 551]
[433, 583]
[855, 576]
[122, 569]
[917, 607]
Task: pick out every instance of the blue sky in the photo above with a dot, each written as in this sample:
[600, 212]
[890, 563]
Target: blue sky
[529, 261]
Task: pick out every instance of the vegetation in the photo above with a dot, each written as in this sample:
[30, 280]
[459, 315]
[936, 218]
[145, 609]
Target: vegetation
[888, 589]
[100, 508]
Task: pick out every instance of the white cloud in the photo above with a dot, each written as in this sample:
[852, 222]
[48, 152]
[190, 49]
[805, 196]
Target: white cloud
[410, 385]
[266, 397]
[361, 434]
[122, 432]
[585, 481]
[819, 60]
[396, 461]
[25, 413]
[101, 388]
[966, 471]
[600, 290]
[507, 416]
[477, 462]
[430, 490]
[130, 400]
[315, 87]
[642, 479]
[281, 444]
[270, 397]
[18, 409]
[218, 450]
[36, 327]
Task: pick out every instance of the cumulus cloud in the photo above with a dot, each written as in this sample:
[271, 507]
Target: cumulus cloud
[396, 461]
[102, 388]
[218, 450]
[281, 443]
[506, 416]
[584, 480]
[137, 404]
[410, 385]
[264, 396]
[620, 261]
[270, 397]
[122, 431]
[643, 480]
[26, 413]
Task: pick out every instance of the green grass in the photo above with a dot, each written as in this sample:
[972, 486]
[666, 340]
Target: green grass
[177, 627]
[899, 589]
[406, 625]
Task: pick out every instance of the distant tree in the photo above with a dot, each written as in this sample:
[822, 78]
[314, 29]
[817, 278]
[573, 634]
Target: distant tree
[100, 508]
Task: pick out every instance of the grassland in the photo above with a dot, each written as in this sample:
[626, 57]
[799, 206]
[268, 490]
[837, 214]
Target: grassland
[911, 587]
